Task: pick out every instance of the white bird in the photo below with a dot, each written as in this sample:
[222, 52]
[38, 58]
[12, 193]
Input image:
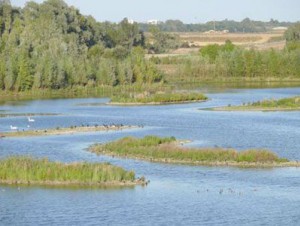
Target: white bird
[30, 119]
[13, 127]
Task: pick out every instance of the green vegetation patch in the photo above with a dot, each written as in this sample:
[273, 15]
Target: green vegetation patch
[285, 104]
[158, 98]
[293, 102]
[27, 170]
[167, 150]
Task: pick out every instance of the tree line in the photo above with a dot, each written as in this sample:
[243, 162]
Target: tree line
[247, 25]
[52, 45]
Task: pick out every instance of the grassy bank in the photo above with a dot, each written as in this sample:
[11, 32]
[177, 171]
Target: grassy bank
[79, 92]
[285, 104]
[27, 170]
[157, 98]
[163, 92]
[65, 131]
[157, 149]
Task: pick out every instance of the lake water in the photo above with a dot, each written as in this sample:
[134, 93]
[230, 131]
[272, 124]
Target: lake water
[177, 194]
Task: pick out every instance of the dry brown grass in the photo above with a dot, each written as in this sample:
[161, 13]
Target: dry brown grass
[259, 41]
[203, 39]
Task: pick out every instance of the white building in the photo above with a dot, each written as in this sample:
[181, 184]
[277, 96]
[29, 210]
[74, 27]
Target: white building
[153, 22]
[280, 28]
[130, 21]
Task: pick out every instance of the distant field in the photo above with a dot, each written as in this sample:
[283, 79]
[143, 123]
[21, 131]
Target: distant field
[202, 39]
[196, 40]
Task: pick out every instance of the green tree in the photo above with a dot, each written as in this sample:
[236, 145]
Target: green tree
[292, 36]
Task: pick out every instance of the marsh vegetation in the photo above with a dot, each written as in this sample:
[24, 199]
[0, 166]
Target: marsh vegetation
[28, 170]
[285, 104]
[168, 150]
[158, 98]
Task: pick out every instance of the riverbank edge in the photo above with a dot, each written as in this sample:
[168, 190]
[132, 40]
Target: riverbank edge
[139, 181]
[64, 131]
[240, 108]
[204, 163]
[9, 115]
[155, 103]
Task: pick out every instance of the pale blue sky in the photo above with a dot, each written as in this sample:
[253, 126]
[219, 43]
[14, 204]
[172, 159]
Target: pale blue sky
[189, 11]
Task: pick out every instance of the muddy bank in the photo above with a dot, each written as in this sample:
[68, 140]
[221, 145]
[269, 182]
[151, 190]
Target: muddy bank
[66, 131]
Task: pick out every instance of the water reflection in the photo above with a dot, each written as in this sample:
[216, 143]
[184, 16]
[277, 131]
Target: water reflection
[177, 194]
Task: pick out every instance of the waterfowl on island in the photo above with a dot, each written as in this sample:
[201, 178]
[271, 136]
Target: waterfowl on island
[13, 127]
[31, 119]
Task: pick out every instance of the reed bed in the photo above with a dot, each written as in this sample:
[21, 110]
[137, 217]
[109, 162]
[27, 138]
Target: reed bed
[28, 170]
[293, 102]
[159, 98]
[168, 150]
[285, 104]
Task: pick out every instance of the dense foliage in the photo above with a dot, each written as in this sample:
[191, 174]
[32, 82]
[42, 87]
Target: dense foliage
[51, 45]
[292, 36]
[156, 148]
[245, 25]
[161, 42]
[26, 169]
[229, 61]
[212, 51]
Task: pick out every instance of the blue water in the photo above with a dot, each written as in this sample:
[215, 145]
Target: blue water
[177, 194]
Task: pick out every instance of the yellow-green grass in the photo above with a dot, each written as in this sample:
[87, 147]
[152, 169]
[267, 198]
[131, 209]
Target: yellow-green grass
[285, 104]
[156, 149]
[28, 170]
[158, 98]
[6, 97]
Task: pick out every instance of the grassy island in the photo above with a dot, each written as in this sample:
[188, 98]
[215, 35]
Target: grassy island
[64, 131]
[168, 150]
[157, 98]
[285, 104]
[27, 170]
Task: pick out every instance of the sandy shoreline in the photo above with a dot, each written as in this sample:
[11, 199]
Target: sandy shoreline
[65, 131]
[139, 181]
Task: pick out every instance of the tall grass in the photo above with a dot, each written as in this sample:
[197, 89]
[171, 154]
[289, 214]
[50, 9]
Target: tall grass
[79, 92]
[170, 97]
[285, 102]
[27, 169]
[155, 148]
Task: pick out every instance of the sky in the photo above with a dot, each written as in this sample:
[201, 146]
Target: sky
[188, 11]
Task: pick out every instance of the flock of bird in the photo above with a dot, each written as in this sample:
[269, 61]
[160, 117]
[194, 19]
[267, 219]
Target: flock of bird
[29, 120]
